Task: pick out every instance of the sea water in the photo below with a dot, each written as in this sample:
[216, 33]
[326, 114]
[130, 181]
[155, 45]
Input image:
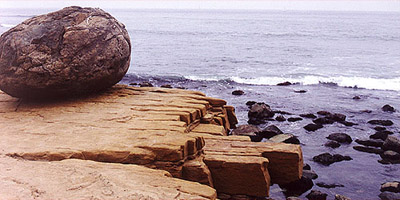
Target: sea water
[333, 56]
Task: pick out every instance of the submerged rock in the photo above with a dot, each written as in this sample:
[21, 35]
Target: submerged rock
[379, 128]
[368, 149]
[310, 115]
[313, 127]
[388, 108]
[381, 122]
[316, 195]
[325, 185]
[328, 159]
[73, 51]
[294, 119]
[286, 83]
[237, 92]
[370, 142]
[323, 120]
[332, 144]
[340, 137]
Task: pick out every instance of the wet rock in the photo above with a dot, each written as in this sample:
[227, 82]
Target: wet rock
[391, 187]
[300, 91]
[166, 86]
[310, 174]
[337, 117]
[380, 135]
[368, 149]
[250, 103]
[366, 111]
[323, 120]
[325, 113]
[328, 159]
[246, 130]
[356, 97]
[370, 142]
[146, 84]
[237, 92]
[297, 187]
[286, 83]
[309, 115]
[379, 128]
[332, 144]
[388, 108]
[280, 118]
[313, 127]
[255, 138]
[392, 143]
[306, 166]
[294, 119]
[390, 155]
[259, 112]
[285, 138]
[389, 196]
[381, 122]
[341, 197]
[70, 52]
[340, 137]
[347, 123]
[325, 185]
[316, 195]
[270, 131]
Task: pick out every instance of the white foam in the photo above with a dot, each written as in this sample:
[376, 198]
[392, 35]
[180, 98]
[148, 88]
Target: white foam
[360, 82]
[7, 25]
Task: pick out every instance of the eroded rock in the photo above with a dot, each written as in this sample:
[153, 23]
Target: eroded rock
[73, 51]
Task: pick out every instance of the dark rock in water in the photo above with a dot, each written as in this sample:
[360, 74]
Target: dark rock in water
[325, 113]
[259, 112]
[316, 195]
[327, 159]
[341, 197]
[337, 117]
[180, 87]
[381, 122]
[368, 149]
[306, 166]
[391, 187]
[370, 142]
[70, 52]
[284, 83]
[300, 91]
[356, 97]
[297, 187]
[379, 128]
[388, 108]
[340, 137]
[380, 135]
[250, 103]
[310, 174]
[390, 155]
[270, 131]
[310, 115]
[133, 84]
[325, 185]
[285, 138]
[392, 143]
[146, 84]
[280, 118]
[366, 111]
[256, 138]
[347, 123]
[237, 92]
[282, 112]
[166, 86]
[332, 144]
[246, 130]
[323, 120]
[313, 127]
[389, 196]
[294, 119]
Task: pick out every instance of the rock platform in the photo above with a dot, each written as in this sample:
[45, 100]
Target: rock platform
[93, 146]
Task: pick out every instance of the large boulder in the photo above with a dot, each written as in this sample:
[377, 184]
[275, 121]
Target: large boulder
[72, 51]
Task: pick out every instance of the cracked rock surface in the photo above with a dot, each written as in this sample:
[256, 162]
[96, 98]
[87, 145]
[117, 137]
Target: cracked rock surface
[73, 51]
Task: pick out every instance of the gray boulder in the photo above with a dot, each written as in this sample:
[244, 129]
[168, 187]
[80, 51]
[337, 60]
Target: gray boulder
[73, 51]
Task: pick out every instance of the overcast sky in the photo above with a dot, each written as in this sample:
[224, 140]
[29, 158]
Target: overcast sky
[342, 5]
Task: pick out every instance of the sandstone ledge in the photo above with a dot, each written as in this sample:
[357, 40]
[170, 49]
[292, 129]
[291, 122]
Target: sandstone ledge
[166, 129]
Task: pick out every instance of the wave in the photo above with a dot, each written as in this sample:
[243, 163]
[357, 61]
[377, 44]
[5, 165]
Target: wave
[7, 25]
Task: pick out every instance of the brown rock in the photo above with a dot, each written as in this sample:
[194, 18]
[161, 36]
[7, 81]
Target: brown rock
[72, 51]
[246, 130]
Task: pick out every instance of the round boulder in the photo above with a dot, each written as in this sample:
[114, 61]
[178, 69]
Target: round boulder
[73, 51]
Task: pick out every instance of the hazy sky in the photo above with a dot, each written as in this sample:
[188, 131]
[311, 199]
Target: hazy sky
[345, 5]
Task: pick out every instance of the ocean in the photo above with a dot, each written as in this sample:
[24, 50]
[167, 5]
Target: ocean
[332, 55]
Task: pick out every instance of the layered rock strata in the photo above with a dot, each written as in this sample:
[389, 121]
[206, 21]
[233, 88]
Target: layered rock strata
[179, 131]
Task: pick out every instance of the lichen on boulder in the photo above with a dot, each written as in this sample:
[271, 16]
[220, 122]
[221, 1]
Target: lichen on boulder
[73, 51]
